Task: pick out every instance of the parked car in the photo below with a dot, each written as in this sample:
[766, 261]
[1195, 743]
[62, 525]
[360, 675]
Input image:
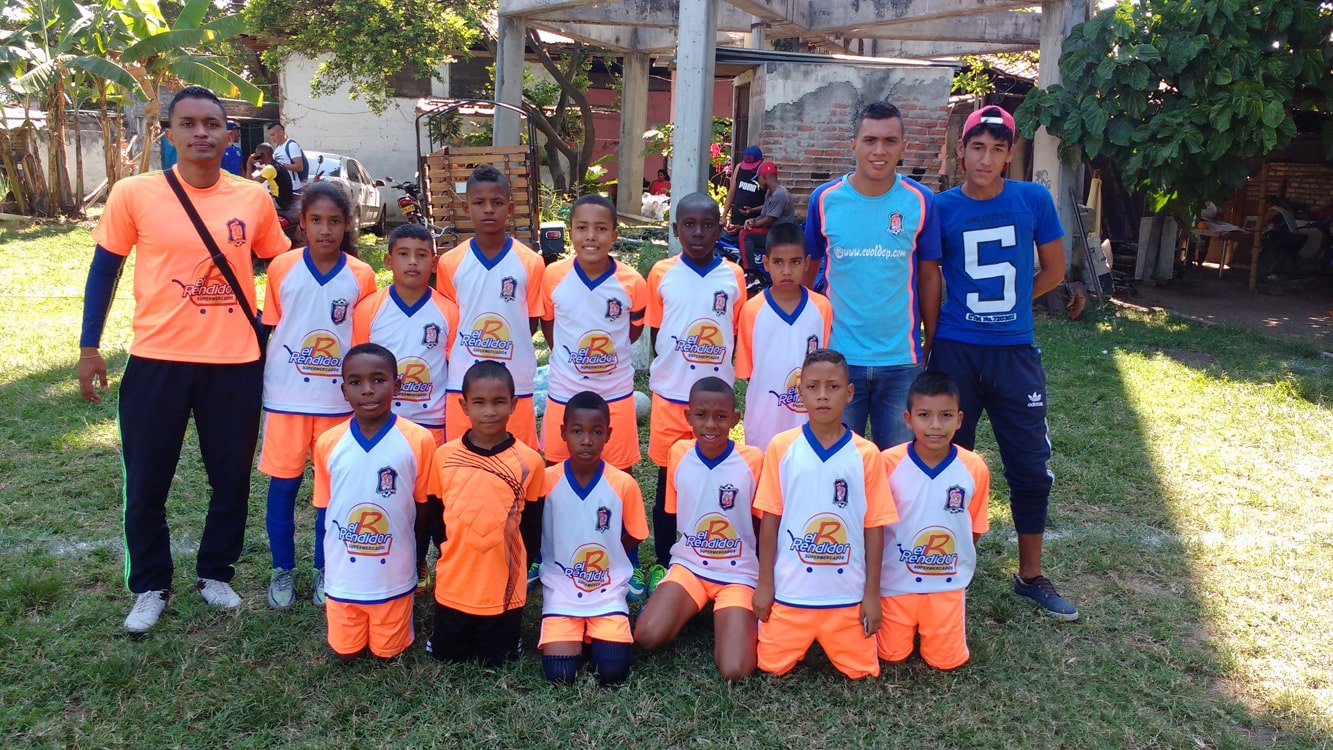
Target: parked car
[368, 208]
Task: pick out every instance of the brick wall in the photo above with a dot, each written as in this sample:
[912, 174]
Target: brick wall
[1310, 183]
[807, 110]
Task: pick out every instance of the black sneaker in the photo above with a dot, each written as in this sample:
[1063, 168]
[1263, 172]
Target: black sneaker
[1042, 591]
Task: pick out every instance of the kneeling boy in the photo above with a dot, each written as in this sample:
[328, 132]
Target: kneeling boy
[594, 515]
[710, 488]
[940, 491]
[370, 473]
[825, 499]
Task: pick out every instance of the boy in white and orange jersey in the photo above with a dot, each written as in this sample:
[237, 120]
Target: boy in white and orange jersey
[694, 303]
[825, 498]
[710, 488]
[941, 493]
[777, 329]
[419, 327]
[371, 474]
[496, 281]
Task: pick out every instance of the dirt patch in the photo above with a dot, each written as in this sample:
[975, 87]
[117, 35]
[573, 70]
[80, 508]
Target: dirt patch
[1190, 357]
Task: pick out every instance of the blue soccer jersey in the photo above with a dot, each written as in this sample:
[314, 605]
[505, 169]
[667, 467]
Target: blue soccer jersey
[989, 248]
[873, 246]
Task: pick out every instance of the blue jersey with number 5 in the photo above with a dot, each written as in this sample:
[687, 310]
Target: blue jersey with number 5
[988, 264]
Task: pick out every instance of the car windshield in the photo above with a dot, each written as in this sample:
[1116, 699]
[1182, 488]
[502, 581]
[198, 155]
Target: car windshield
[329, 165]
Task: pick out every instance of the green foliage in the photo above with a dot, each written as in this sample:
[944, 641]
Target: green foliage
[366, 42]
[972, 78]
[1179, 93]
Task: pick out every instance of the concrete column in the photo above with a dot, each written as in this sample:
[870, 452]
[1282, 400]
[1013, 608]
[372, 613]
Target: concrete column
[633, 121]
[1057, 18]
[508, 78]
[692, 96]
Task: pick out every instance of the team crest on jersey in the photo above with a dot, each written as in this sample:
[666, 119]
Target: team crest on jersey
[614, 309]
[209, 287]
[365, 531]
[603, 518]
[508, 289]
[823, 541]
[840, 493]
[790, 397]
[895, 223]
[954, 503]
[320, 355]
[811, 344]
[933, 553]
[430, 335]
[726, 496]
[387, 481]
[414, 380]
[595, 354]
[703, 344]
[236, 232]
[589, 568]
[488, 337]
[720, 302]
[338, 311]
[714, 538]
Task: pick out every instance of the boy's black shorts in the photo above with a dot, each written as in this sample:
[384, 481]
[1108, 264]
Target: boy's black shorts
[462, 637]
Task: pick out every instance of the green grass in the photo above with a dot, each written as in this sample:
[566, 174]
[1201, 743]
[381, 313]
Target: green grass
[1190, 522]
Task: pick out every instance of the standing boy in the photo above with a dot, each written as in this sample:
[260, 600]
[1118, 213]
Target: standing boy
[990, 226]
[940, 492]
[371, 473]
[694, 300]
[825, 499]
[496, 281]
[593, 517]
[711, 483]
[778, 328]
[880, 235]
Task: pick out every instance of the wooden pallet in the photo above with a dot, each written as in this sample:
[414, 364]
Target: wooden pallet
[446, 172]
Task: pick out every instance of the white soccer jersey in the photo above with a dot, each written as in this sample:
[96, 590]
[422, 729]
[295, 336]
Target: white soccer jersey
[714, 506]
[419, 336]
[585, 570]
[311, 315]
[591, 324]
[827, 499]
[695, 310]
[370, 488]
[770, 347]
[929, 548]
[496, 299]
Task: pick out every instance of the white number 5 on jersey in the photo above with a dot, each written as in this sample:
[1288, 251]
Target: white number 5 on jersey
[972, 240]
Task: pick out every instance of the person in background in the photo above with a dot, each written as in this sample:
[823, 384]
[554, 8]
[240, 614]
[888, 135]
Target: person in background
[231, 156]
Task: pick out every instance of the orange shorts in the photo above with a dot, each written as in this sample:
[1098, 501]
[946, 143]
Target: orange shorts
[558, 629]
[289, 440]
[787, 635]
[939, 617]
[385, 627]
[438, 434]
[622, 449]
[703, 591]
[667, 425]
[522, 423]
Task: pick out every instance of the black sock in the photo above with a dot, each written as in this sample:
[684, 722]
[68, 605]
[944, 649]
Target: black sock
[611, 661]
[561, 669]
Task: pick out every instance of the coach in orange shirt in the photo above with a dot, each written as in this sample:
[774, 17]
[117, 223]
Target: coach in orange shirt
[193, 351]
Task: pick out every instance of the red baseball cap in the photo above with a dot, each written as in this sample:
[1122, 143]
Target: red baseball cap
[989, 115]
[768, 167]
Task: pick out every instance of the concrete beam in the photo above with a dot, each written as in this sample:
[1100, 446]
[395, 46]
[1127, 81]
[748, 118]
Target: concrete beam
[633, 121]
[529, 7]
[930, 50]
[651, 14]
[692, 98]
[624, 39]
[1058, 18]
[826, 17]
[509, 51]
[785, 12]
[1001, 28]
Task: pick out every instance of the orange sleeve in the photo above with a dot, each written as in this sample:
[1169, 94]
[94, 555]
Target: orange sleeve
[534, 484]
[450, 311]
[880, 510]
[363, 315]
[116, 231]
[435, 484]
[678, 451]
[754, 458]
[423, 447]
[365, 277]
[653, 319]
[277, 271]
[444, 272]
[745, 337]
[551, 477]
[320, 459]
[979, 509]
[551, 277]
[740, 298]
[631, 502]
[536, 268]
[636, 288]
[825, 309]
[768, 498]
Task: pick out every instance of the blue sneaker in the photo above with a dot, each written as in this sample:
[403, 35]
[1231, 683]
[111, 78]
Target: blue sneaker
[534, 576]
[638, 586]
[1042, 591]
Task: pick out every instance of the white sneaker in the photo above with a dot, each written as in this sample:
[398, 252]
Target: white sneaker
[218, 593]
[317, 588]
[282, 589]
[147, 608]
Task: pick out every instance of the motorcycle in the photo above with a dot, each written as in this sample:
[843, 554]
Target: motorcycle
[409, 203]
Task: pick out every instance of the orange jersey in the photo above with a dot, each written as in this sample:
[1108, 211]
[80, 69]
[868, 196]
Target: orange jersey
[483, 565]
[770, 347]
[184, 310]
[420, 336]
